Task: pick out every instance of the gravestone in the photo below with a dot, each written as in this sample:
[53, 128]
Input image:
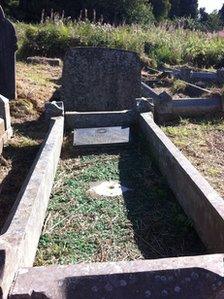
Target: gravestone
[98, 79]
[8, 47]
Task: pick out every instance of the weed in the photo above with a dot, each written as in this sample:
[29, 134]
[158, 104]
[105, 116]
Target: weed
[178, 86]
[160, 44]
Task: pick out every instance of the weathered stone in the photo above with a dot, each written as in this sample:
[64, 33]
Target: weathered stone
[44, 60]
[54, 109]
[96, 79]
[8, 47]
[21, 232]
[198, 277]
[101, 136]
[99, 119]
[2, 133]
[2, 127]
[198, 199]
[220, 76]
[5, 115]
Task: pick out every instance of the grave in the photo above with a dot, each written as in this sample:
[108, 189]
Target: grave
[184, 99]
[171, 277]
[8, 47]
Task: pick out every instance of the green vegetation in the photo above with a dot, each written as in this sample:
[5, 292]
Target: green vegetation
[81, 227]
[178, 86]
[159, 44]
[116, 11]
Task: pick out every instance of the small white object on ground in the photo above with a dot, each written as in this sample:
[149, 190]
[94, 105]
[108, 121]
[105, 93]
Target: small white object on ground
[108, 189]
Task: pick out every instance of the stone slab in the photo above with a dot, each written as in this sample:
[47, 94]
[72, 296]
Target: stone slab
[5, 114]
[198, 277]
[187, 107]
[44, 60]
[2, 127]
[99, 119]
[2, 134]
[101, 136]
[20, 235]
[203, 205]
[98, 79]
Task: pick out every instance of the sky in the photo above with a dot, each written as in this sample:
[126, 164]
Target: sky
[211, 5]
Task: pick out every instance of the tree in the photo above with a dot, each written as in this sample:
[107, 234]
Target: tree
[175, 9]
[189, 8]
[221, 14]
[116, 11]
[161, 8]
[203, 15]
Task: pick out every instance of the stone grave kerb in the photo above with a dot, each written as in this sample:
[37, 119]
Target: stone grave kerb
[100, 79]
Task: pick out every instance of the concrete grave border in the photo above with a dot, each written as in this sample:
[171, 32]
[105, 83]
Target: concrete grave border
[198, 199]
[5, 124]
[170, 278]
[20, 235]
[166, 108]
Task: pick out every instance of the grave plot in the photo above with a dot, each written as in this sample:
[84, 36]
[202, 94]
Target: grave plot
[140, 229]
[165, 82]
[89, 221]
[172, 94]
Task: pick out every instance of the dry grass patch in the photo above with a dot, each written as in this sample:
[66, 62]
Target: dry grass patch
[202, 141]
[36, 84]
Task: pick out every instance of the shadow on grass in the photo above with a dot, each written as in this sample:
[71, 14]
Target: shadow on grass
[160, 226]
[214, 119]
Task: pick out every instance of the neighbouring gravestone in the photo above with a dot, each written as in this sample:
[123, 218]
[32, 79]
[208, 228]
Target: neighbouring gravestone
[98, 79]
[8, 47]
[5, 115]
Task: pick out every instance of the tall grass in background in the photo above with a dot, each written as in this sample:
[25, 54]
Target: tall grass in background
[155, 44]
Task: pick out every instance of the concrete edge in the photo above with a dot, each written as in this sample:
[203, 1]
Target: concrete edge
[169, 109]
[198, 199]
[52, 281]
[99, 119]
[22, 230]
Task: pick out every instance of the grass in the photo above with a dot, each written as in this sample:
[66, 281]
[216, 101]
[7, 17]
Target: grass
[146, 222]
[202, 141]
[178, 86]
[36, 84]
[155, 44]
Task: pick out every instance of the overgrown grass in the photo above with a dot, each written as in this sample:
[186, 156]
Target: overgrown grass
[146, 222]
[155, 44]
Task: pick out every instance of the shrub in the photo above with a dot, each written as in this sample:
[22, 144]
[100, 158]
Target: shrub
[160, 44]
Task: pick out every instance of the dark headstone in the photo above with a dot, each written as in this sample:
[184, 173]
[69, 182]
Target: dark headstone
[101, 136]
[97, 79]
[8, 47]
